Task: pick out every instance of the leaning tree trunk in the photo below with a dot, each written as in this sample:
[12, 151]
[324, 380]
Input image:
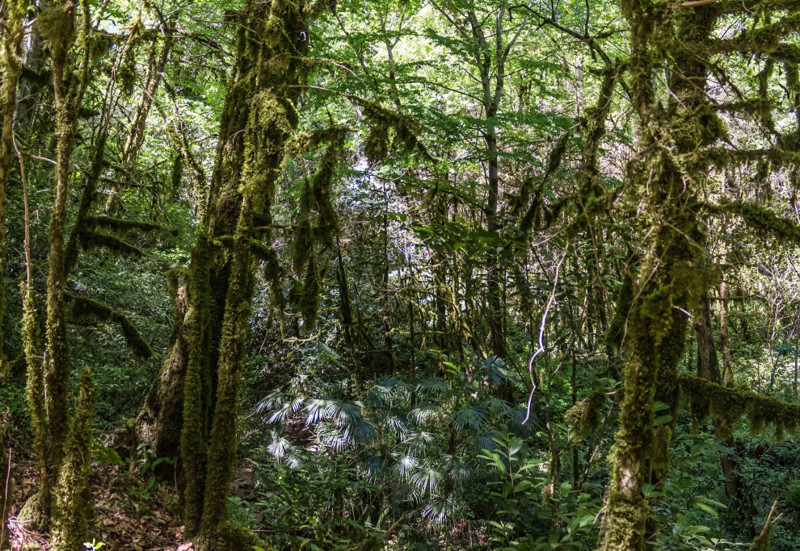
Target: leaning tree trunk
[195, 339]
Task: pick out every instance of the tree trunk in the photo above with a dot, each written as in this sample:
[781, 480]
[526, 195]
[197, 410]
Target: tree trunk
[32, 62]
[671, 276]
[708, 368]
[69, 86]
[136, 135]
[259, 117]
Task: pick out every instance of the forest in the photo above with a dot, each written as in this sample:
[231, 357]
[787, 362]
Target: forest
[363, 275]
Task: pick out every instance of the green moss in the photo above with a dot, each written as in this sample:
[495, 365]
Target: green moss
[70, 522]
[584, 416]
[704, 399]
[231, 537]
[120, 225]
[87, 309]
[624, 523]
[37, 510]
[56, 24]
[93, 240]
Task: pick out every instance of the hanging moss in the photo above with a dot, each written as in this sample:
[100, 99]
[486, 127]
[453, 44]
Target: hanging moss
[389, 130]
[704, 399]
[70, 520]
[56, 24]
[584, 416]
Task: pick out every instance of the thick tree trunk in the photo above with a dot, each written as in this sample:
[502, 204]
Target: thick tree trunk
[158, 424]
[259, 117]
[671, 276]
[189, 365]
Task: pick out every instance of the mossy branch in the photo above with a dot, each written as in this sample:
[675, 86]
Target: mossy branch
[704, 399]
[93, 240]
[84, 308]
[759, 218]
[118, 224]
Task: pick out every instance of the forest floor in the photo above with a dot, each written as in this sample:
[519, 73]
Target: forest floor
[131, 512]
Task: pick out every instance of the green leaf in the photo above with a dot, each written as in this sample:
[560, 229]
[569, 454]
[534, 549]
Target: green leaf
[662, 419]
[707, 509]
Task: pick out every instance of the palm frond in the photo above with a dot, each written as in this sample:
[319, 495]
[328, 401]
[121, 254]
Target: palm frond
[469, 417]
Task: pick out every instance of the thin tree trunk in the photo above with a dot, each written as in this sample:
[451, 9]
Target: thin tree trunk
[708, 368]
[724, 337]
[68, 93]
[136, 135]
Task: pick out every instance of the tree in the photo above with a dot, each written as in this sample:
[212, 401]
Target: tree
[679, 144]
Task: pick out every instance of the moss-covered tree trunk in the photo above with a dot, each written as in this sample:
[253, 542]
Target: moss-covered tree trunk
[68, 92]
[59, 27]
[71, 506]
[275, 81]
[208, 352]
[671, 278]
[189, 366]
